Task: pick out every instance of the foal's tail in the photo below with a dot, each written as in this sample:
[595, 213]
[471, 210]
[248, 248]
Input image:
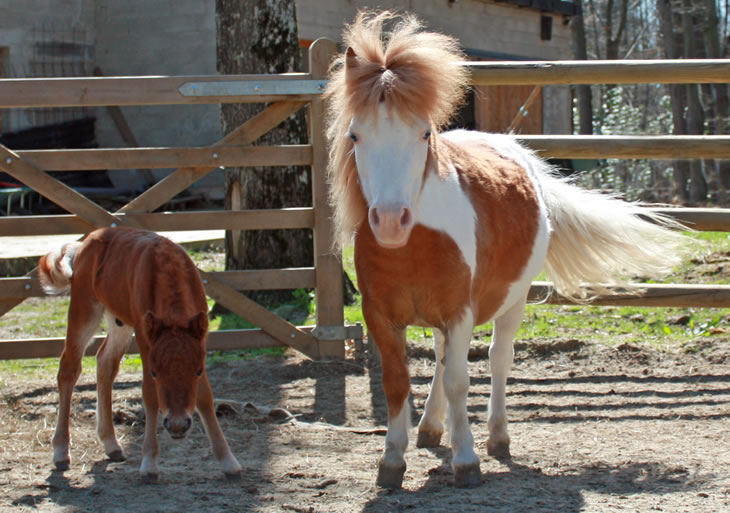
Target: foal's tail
[55, 269]
[598, 240]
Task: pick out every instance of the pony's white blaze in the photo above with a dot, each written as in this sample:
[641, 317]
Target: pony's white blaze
[390, 153]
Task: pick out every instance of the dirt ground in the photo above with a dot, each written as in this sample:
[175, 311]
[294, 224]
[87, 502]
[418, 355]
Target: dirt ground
[593, 429]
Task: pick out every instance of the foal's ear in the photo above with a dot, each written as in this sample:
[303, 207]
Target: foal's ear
[199, 324]
[152, 325]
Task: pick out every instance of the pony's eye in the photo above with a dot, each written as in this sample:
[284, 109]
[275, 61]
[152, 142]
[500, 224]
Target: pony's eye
[199, 373]
[427, 135]
[154, 374]
[352, 136]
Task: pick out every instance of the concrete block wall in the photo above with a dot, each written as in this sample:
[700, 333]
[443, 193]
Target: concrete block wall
[486, 29]
[159, 37]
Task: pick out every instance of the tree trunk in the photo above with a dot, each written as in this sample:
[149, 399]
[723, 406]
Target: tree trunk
[260, 37]
[720, 101]
[680, 168]
[695, 115]
[583, 91]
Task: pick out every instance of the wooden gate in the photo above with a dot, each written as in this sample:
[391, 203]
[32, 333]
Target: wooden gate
[287, 94]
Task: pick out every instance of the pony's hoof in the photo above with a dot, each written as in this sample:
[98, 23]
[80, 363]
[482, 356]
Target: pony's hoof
[428, 439]
[467, 476]
[62, 465]
[233, 476]
[116, 456]
[498, 450]
[150, 478]
[390, 477]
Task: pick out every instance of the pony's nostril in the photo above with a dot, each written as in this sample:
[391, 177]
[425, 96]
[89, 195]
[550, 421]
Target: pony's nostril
[188, 423]
[405, 217]
[374, 217]
[166, 423]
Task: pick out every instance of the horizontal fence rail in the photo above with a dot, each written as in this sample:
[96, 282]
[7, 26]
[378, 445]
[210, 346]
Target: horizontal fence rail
[265, 219]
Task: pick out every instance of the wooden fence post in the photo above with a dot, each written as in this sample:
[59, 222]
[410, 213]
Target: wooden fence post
[328, 265]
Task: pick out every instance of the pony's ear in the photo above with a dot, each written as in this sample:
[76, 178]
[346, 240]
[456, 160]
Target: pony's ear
[350, 59]
[199, 324]
[152, 325]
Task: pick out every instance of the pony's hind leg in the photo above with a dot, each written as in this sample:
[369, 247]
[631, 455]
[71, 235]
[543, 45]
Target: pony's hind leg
[464, 460]
[107, 366]
[501, 354]
[83, 318]
[391, 344]
[431, 426]
[206, 408]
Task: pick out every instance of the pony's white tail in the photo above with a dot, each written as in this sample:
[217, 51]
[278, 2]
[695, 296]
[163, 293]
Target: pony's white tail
[599, 240]
[56, 268]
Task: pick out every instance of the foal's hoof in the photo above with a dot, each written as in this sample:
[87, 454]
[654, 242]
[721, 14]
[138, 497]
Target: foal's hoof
[498, 450]
[116, 456]
[467, 476]
[390, 477]
[62, 465]
[428, 439]
[150, 478]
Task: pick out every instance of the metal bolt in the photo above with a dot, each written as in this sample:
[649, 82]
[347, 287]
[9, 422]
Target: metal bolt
[9, 160]
[215, 156]
[27, 286]
[257, 87]
[113, 225]
[293, 335]
[205, 282]
[321, 86]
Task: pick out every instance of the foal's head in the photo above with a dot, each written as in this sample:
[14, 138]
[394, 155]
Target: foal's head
[388, 95]
[177, 361]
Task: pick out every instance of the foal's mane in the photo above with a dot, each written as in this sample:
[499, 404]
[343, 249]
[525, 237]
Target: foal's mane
[409, 70]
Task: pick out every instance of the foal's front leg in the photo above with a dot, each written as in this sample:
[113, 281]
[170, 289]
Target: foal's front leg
[150, 468]
[206, 408]
[464, 460]
[391, 344]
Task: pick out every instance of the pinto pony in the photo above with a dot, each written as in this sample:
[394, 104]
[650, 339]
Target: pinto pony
[451, 228]
[146, 285]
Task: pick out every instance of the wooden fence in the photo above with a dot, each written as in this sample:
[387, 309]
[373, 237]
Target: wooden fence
[287, 94]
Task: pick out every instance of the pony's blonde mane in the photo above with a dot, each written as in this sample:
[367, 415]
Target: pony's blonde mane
[411, 71]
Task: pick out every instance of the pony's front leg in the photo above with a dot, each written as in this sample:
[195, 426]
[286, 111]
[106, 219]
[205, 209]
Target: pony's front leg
[391, 344]
[501, 354]
[83, 319]
[431, 426]
[206, 408]
[464, 460]
[150, 468]
[108, 358]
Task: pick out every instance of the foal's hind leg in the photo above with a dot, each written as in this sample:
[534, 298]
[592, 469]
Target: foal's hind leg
[107, 366]
[501, 354]
[465, 462]
[206, 408]
[83, 319]
[431, 426]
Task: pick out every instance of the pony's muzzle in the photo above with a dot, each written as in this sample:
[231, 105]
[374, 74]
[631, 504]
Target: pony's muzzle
[178, 425]
[391, 225]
